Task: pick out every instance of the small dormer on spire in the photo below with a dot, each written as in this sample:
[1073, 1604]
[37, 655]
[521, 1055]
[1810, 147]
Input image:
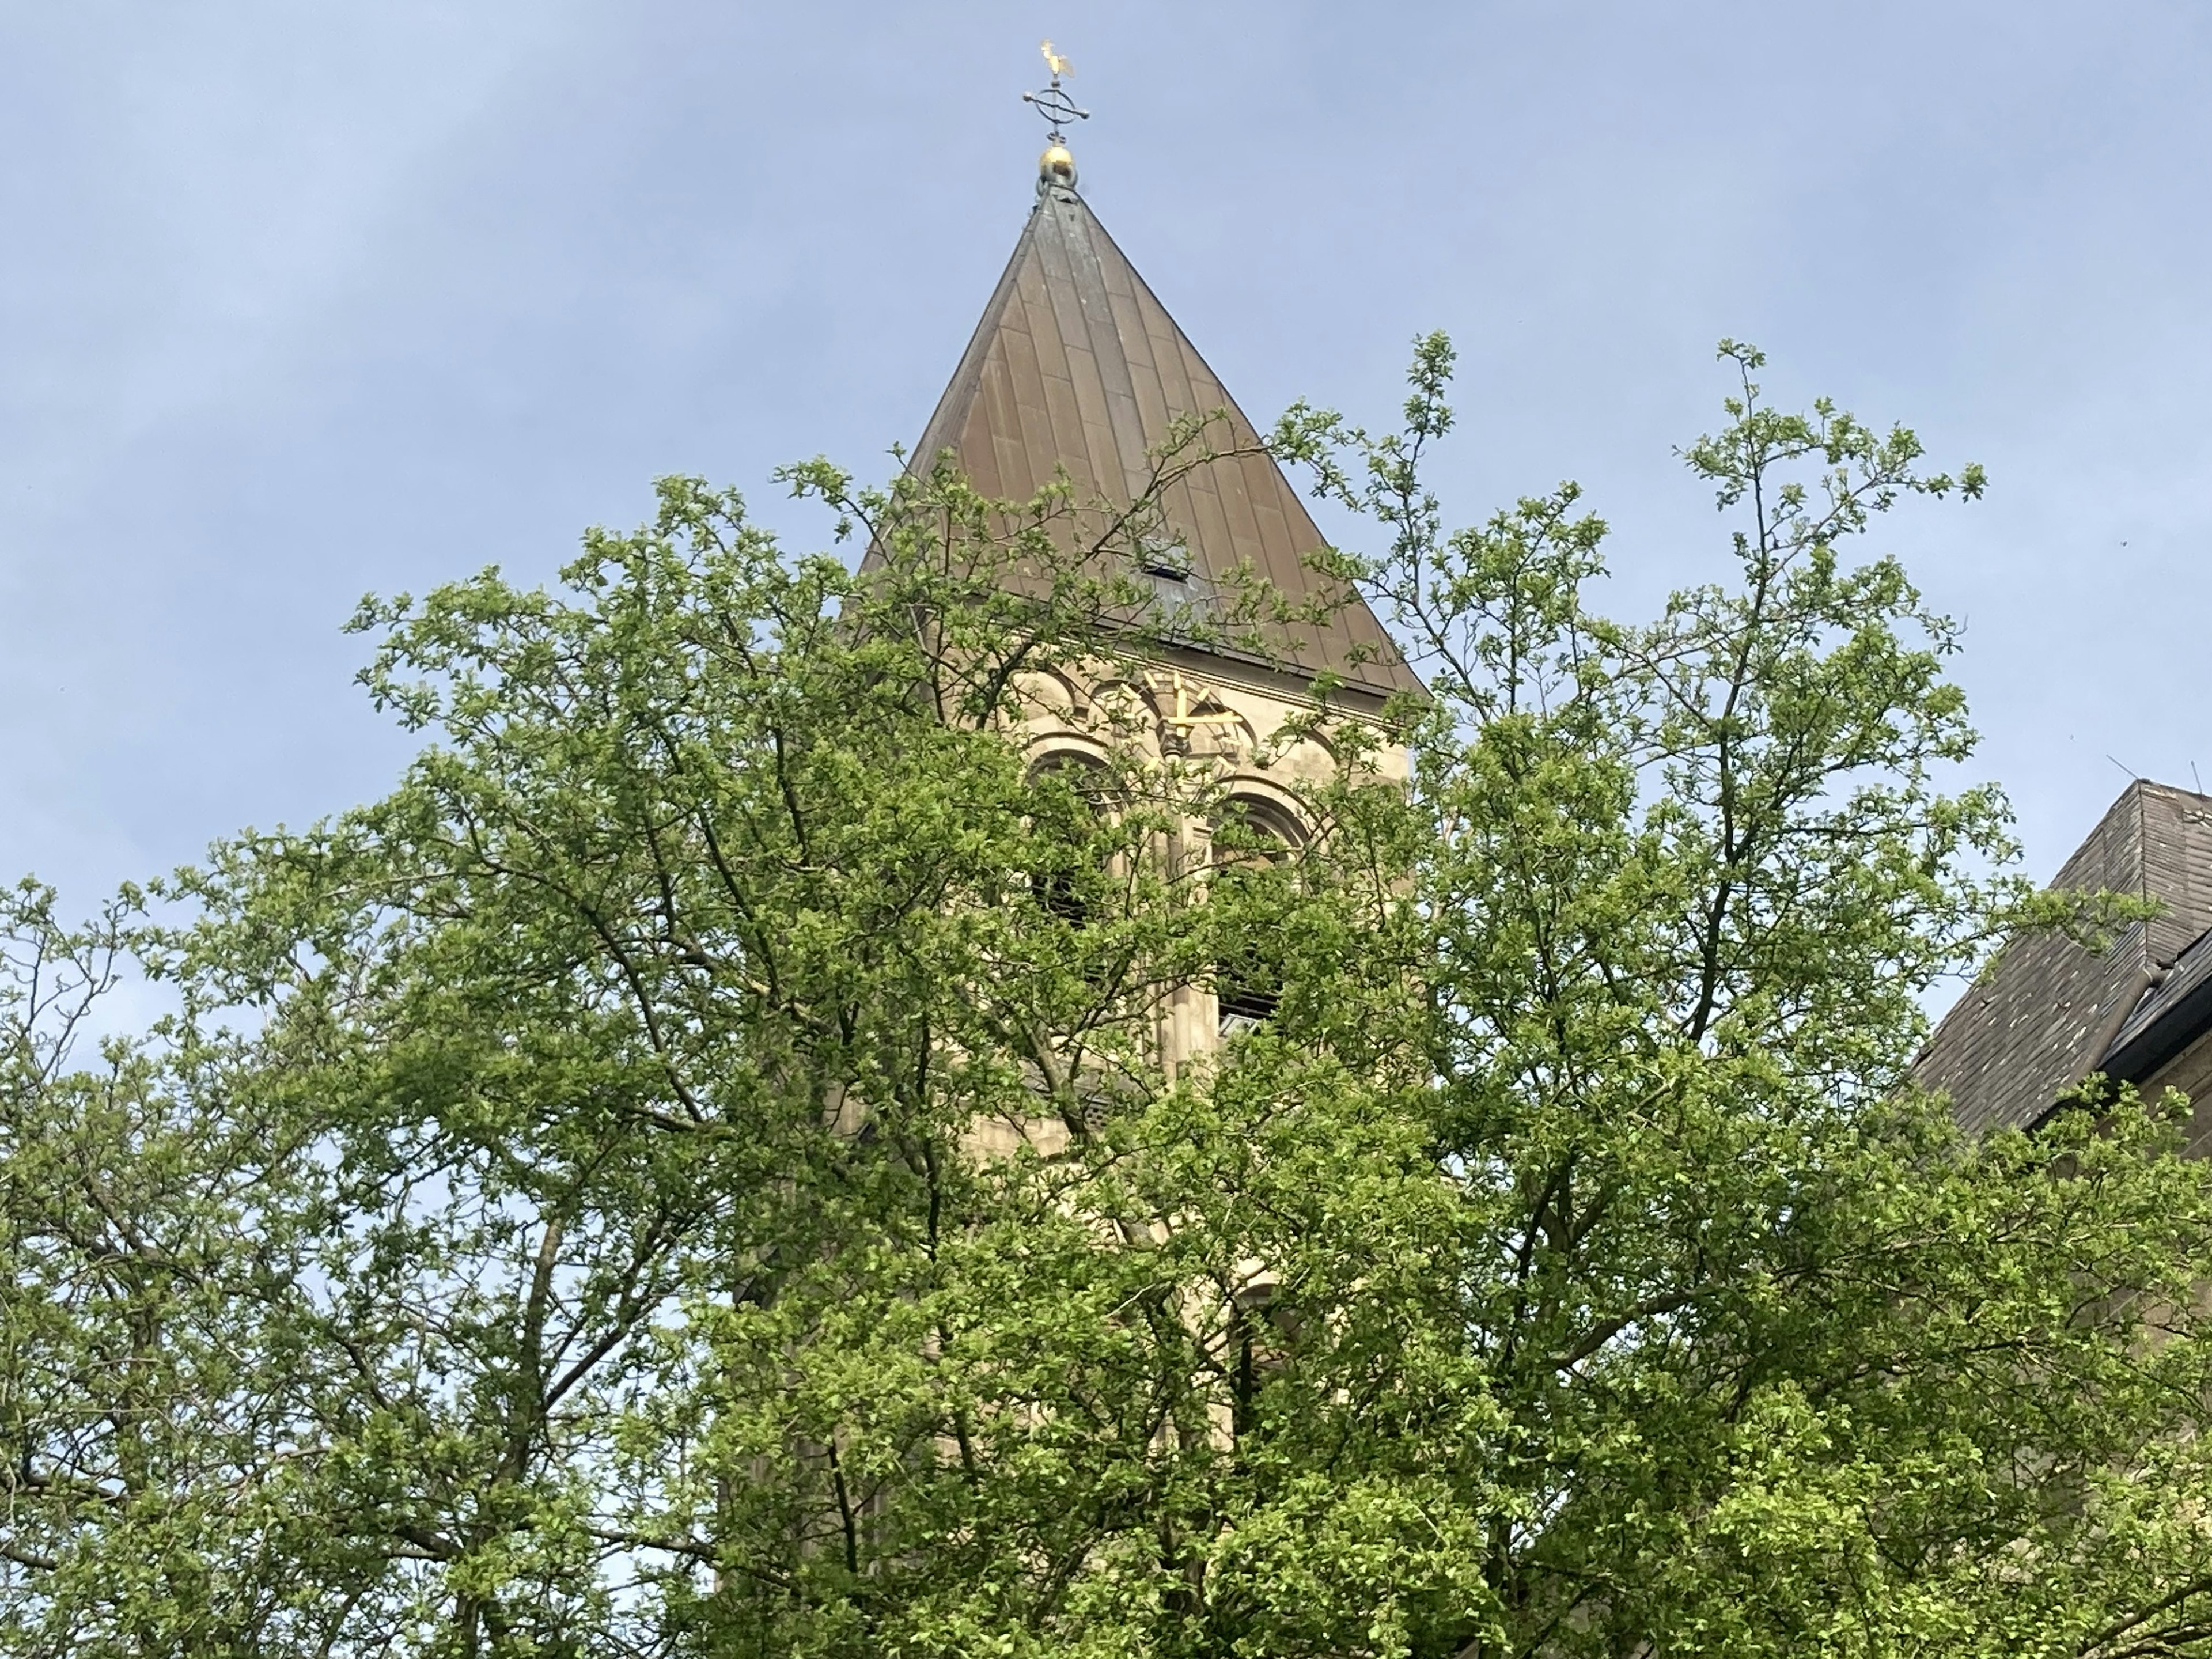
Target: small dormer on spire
[1057, 166]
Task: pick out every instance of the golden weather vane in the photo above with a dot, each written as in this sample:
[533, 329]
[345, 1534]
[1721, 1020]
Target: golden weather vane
[1056, 106]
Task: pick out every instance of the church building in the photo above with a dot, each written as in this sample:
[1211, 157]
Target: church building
[2050, 1013]
[1077, 366]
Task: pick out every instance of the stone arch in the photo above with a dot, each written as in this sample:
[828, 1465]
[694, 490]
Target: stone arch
[1057, 878]
[1048, 691]
[1053, 750]
[1269, 830]
[1267, 806]
[1119, 698]
[1310, 757]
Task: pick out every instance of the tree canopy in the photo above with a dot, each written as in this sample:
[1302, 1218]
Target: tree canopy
[553, 1218]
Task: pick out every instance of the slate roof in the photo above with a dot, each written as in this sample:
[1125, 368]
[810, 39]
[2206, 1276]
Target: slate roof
[1075, 363]
[2049, 1011]
[2167, 1020]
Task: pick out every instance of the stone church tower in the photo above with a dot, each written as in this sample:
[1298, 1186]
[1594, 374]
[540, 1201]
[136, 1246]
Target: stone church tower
[1076, 365]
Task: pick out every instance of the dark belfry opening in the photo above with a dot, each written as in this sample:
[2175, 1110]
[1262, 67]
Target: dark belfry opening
[1253, 843]
[1068, 806]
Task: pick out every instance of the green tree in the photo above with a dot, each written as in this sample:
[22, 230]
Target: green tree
[556, 1216]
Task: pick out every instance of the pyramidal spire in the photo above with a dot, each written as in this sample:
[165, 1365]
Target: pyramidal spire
[1077, 364]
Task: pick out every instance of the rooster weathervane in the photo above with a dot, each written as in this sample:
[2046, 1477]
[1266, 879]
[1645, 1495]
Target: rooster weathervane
[1054, 103]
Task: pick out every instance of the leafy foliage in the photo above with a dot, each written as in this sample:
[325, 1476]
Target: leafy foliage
[695, 1169]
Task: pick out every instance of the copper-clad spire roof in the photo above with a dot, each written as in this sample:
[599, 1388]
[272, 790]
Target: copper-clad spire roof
[1075, 364]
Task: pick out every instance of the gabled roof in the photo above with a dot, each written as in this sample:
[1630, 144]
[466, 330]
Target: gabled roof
[2172, 1015]
[1077, 364]
[2049, 1012]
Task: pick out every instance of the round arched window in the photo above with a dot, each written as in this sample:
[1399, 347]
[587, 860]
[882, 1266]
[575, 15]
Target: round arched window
[1254, 827]
[1068, 799]
[1253, 841]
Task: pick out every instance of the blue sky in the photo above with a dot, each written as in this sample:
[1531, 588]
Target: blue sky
[301, 301]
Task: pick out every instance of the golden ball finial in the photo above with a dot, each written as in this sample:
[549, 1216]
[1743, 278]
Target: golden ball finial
[1057, 166]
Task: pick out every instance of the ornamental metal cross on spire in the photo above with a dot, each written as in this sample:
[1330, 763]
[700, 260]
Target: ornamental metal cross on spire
[1056, 165]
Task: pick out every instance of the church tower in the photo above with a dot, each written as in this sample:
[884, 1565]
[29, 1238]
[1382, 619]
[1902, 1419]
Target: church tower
[1077, 366]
